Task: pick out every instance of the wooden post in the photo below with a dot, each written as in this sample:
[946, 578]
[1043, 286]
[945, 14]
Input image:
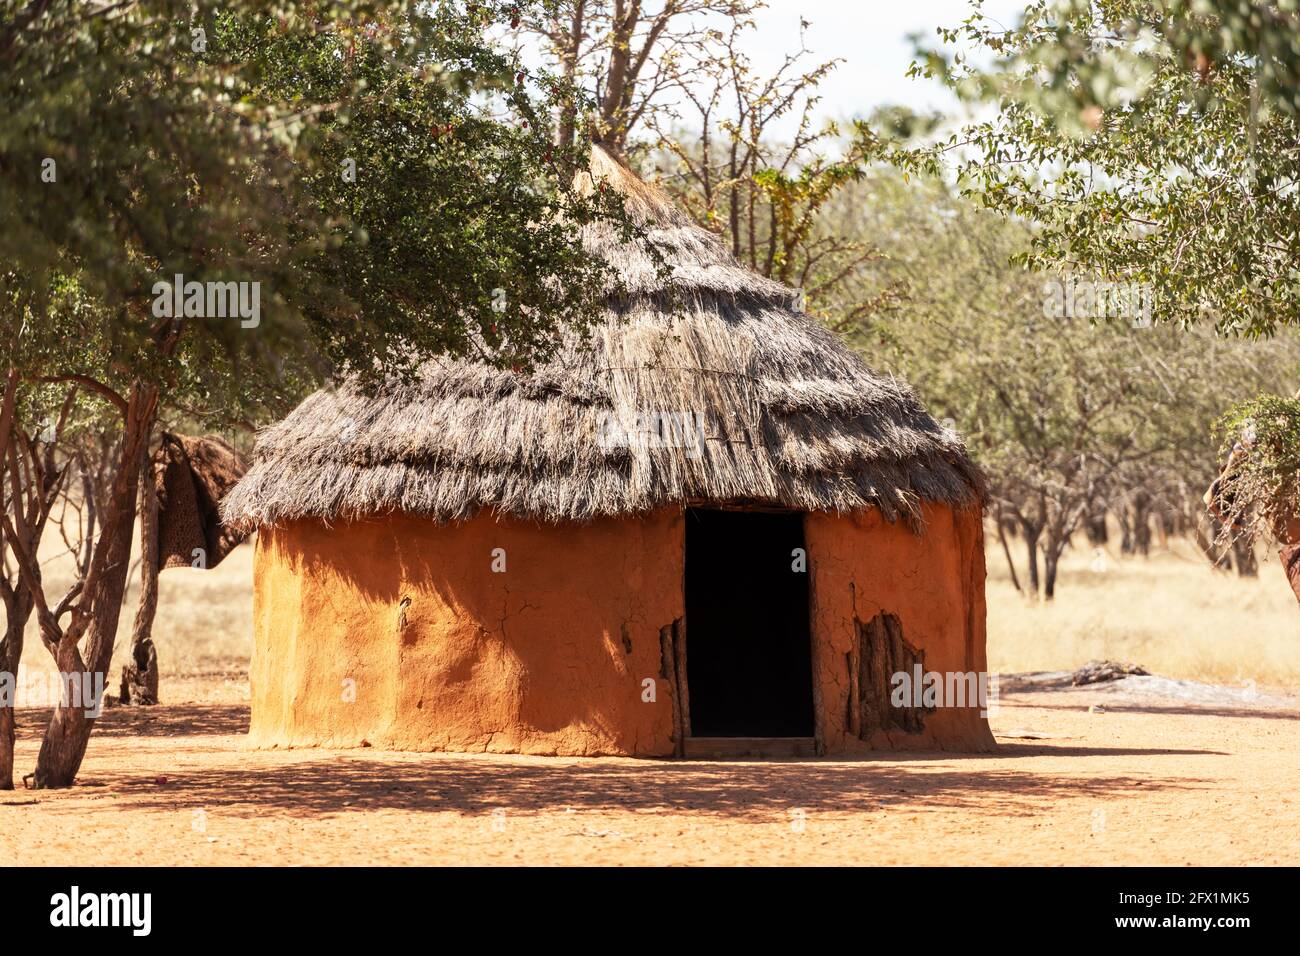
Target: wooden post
[855, 686]
[683, 691]
[819, 728]
[668, 671]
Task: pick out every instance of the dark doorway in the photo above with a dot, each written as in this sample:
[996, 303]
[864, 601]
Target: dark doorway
[749, 651]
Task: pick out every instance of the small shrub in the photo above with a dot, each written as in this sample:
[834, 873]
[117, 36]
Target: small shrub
[1260, 488]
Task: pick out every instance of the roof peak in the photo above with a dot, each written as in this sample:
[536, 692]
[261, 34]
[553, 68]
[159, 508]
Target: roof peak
[645, 202]
[697, 260]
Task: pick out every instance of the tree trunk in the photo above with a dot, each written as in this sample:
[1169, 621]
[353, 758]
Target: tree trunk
[64, 744]
[11, 652]
[569, 111]
[1122, 515]
[1006, 550]
[7, 736]
[1142, 538]
[1142, 532]
[1208, 544]
[1094, 526]
[66, 737]
[69, 729]
[140, 673]
[613, 133]
[1049, 576]
[1243, 557]
[11, 648]
[1052, 551]
[1031, 547]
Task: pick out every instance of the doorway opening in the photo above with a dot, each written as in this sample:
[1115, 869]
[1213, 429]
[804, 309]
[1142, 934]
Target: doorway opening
[749, 659]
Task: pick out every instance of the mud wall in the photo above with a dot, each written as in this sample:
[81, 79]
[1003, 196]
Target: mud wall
[884, 597]
[399, 633]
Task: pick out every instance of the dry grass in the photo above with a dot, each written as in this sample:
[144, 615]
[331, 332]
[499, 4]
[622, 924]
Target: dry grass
[203, 631]
[1171, 613]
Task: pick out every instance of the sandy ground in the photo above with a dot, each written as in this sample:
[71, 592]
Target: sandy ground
[1169, 773]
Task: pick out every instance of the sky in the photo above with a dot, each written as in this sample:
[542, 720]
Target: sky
[871, 37]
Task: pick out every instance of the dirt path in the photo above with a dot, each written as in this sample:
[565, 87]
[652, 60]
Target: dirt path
[1153, 780]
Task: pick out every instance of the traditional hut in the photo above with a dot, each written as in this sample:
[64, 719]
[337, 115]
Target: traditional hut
[705, 527]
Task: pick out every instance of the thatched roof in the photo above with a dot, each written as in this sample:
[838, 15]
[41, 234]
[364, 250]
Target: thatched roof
[721, 392]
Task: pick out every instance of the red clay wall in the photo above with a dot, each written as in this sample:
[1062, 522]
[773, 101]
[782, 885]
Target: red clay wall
[545, 658]
[933, 582]
[549, 657]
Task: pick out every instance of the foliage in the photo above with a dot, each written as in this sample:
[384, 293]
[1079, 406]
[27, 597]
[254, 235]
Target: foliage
[618, 66]
[373, 173]
[1262, 484]
[228, 163]
[726, 160]
[1068, 413]
[462, 227]
[670, 87]
[1151, 141]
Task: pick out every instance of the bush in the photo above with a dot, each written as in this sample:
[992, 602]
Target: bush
[1260, 487]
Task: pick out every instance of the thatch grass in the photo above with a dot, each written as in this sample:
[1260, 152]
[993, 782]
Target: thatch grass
[787, 415]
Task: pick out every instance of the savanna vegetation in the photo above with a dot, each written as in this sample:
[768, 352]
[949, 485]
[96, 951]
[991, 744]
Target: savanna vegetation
[395, 178]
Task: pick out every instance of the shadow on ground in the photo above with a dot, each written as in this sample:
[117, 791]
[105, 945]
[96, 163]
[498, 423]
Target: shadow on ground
[328, 783]
[180, 720]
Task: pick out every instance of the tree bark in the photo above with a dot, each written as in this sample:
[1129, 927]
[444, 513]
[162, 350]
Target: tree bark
[613, 135]
[1243, 558]
[1052, 551]
[1217, 556]
[1049, 577]
[68, 732]
[7, 738]
[18, 607]
[1125, 530]
[1142, 523]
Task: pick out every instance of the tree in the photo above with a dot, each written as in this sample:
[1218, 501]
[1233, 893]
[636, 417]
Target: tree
[671, 89]
[1151, 141]
[620, 63]
[148, 140]
[1260, 439]
[1068, 412]
[29, 459]
[723, 157]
